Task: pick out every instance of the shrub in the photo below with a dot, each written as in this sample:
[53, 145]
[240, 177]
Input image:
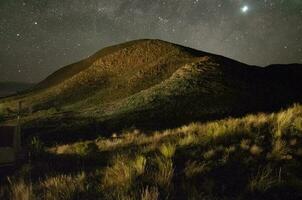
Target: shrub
[298, 124]
[209, 154]
[119, 174]
[167, 150]
[280, 150]
[256, 150]
[139, 164]
[150, 193]
[63, 187]
[86, 148]
[245, 144]
[187, 140]
[165, 171]
[283, 122]
[36, 147]
[194, 168]
[263, 180]
[19, 190]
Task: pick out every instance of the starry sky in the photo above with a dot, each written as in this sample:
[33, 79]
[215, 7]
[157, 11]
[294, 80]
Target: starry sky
[38, 37]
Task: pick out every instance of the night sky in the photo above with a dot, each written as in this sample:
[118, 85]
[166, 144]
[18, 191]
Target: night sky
[38, 37]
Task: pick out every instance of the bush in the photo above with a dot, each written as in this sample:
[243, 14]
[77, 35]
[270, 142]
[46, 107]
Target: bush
[167, 150]
[19, 190]
[263, 180]
[194, 168]
[139, 164]
[36, 147]
[120, 174]
[164, 173]
[86, 149]
[150, 193]
[63, 187]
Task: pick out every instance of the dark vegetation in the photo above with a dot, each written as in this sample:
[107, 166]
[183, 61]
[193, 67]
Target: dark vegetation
[10, 88]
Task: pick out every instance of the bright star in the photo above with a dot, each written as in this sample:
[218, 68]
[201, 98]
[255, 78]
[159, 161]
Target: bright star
[244, 9]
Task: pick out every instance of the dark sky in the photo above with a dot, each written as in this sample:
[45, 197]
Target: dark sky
[38, 37]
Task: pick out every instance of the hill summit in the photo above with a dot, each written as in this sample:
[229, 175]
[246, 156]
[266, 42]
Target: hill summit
[152, 84]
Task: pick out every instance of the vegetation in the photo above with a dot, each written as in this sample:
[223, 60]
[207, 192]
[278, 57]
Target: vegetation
[9, 88]
[254, 157]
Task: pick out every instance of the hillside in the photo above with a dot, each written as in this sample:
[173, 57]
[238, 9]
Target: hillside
[253, 157]
[150, 84]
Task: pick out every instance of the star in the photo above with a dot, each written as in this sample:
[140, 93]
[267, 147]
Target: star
[35, 23]
[244, 9]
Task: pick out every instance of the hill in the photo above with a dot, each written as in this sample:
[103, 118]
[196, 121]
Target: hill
[150, 84]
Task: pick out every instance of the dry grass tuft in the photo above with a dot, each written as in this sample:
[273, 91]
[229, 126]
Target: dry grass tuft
[194, 168]
[119, 174]
[150, 193]
[19, 190]
[164, 173]
[263, 180]
[63, 187]
[167, 150]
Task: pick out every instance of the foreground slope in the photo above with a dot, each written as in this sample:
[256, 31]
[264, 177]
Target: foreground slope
[151, 84]
[253, 157]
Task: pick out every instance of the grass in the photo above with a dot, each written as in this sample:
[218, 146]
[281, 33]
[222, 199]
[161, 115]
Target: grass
[254, 157]
[263, 180]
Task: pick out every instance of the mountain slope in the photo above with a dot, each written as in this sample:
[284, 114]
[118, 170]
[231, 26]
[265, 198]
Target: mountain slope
[152, 84]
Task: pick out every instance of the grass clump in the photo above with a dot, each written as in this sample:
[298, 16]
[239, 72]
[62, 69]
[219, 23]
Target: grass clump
[63, 187]
[36, 147]
[167, 150]
[20, 190]
[85, 149]
[139, 164]
[120, 174]
[194, 168]
[263, 180]
[150, 193]
[165, 171]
